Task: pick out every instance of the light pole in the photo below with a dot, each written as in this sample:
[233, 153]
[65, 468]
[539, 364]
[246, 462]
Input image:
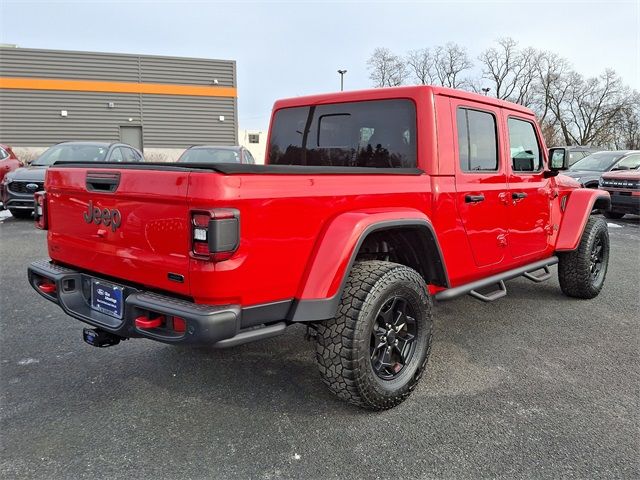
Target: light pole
[342, 72]
[486, 90]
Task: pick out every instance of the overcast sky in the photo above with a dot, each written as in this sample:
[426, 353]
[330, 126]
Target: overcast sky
[287, 49]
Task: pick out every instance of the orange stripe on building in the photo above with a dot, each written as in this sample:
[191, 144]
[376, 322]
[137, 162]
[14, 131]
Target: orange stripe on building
[115, 87]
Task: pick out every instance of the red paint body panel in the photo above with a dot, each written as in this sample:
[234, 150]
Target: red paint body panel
[152, 241]
[576, 214]
[298, 232]
[330, 263]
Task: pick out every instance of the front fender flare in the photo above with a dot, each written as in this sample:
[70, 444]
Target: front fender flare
[336, 251]
[576, 214]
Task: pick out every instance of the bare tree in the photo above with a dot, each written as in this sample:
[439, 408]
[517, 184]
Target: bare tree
[422, 64]
[450, 61]
[510, 71]
[553, 82]
[571, 109]
[594, 105]
[387, 69]
[625, 129]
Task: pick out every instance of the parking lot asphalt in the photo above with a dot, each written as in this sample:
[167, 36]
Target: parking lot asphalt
[533, 385]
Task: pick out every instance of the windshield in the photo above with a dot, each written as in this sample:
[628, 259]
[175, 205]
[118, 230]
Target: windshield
[72, 153]
[380, 134]
[210, 155]
[597, 162]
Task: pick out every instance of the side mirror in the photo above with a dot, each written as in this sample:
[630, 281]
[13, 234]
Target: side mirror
[558, 159]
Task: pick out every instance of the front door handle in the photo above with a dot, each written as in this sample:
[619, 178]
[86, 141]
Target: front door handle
[474, 198]
[518, 195]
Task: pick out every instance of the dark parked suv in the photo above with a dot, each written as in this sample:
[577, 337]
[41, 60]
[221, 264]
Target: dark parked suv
[578, 152]
[624, 188]
[20, 185]
[589, 170]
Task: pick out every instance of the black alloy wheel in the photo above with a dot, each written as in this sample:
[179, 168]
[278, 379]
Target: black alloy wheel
[392, 338]
[596, 259]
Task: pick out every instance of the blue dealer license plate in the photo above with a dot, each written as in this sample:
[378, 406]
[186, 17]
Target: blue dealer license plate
[106, 298]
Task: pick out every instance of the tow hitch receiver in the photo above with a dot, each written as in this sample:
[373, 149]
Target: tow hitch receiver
[99, 338]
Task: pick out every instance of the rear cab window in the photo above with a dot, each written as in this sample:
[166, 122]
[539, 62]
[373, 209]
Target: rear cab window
[376, 134]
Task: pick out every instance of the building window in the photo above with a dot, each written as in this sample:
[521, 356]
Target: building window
[254, 138]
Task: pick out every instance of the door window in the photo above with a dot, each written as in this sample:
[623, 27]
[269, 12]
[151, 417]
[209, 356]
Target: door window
[116, 155]
[129, 154]
[248, 157]
[628, 163]
[477, 141]
[525, 150]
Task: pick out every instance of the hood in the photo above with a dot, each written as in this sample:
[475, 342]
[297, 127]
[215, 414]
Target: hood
[630, 174]
[28, 174]
[564, 181]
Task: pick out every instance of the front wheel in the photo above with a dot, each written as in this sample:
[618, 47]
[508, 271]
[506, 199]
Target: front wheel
[582, 272]
[374, 351]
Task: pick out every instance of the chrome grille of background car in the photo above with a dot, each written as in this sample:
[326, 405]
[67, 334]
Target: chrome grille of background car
[621, 183]
[21, 187]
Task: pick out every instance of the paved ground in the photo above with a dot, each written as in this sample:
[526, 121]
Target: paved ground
[534, 385]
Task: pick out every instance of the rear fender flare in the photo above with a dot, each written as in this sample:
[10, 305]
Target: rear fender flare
[326, 274]
[576, 214]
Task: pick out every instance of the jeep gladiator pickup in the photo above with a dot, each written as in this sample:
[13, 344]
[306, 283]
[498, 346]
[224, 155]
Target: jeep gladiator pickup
[371, 205]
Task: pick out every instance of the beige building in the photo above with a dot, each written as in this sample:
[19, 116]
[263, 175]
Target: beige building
[255, 141]
[159, 104]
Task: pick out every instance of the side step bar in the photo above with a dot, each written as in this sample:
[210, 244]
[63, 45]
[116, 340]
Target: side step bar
[528, 271]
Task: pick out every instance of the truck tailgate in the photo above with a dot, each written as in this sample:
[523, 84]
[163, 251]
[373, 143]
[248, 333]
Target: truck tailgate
[121, 223]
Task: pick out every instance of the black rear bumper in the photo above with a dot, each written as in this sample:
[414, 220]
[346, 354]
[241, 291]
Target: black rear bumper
[205, 324]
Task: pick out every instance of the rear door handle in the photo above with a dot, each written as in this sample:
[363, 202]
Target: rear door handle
[474, 198]
[518, 195]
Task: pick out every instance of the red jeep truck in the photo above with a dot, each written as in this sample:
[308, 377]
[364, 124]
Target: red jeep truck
[371, 205]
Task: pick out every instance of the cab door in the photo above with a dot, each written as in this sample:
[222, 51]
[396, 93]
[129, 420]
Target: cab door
[530, 194]
[481, 180]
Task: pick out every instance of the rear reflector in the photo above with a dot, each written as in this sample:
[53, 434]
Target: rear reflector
[179, 324]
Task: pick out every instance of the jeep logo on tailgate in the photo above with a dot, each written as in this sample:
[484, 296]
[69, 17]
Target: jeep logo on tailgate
[104, 216]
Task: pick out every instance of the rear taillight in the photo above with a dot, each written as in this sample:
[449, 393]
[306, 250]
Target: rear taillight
[40, 210]
[215, 234]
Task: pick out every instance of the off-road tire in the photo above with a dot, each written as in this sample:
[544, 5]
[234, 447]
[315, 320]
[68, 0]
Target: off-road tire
[614, 215]
[343, 343]
[19, 213]
[574, 268]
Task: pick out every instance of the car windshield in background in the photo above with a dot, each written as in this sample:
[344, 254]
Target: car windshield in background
[210, 155]
[380, 134]
[72, 153]
[597, 162]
